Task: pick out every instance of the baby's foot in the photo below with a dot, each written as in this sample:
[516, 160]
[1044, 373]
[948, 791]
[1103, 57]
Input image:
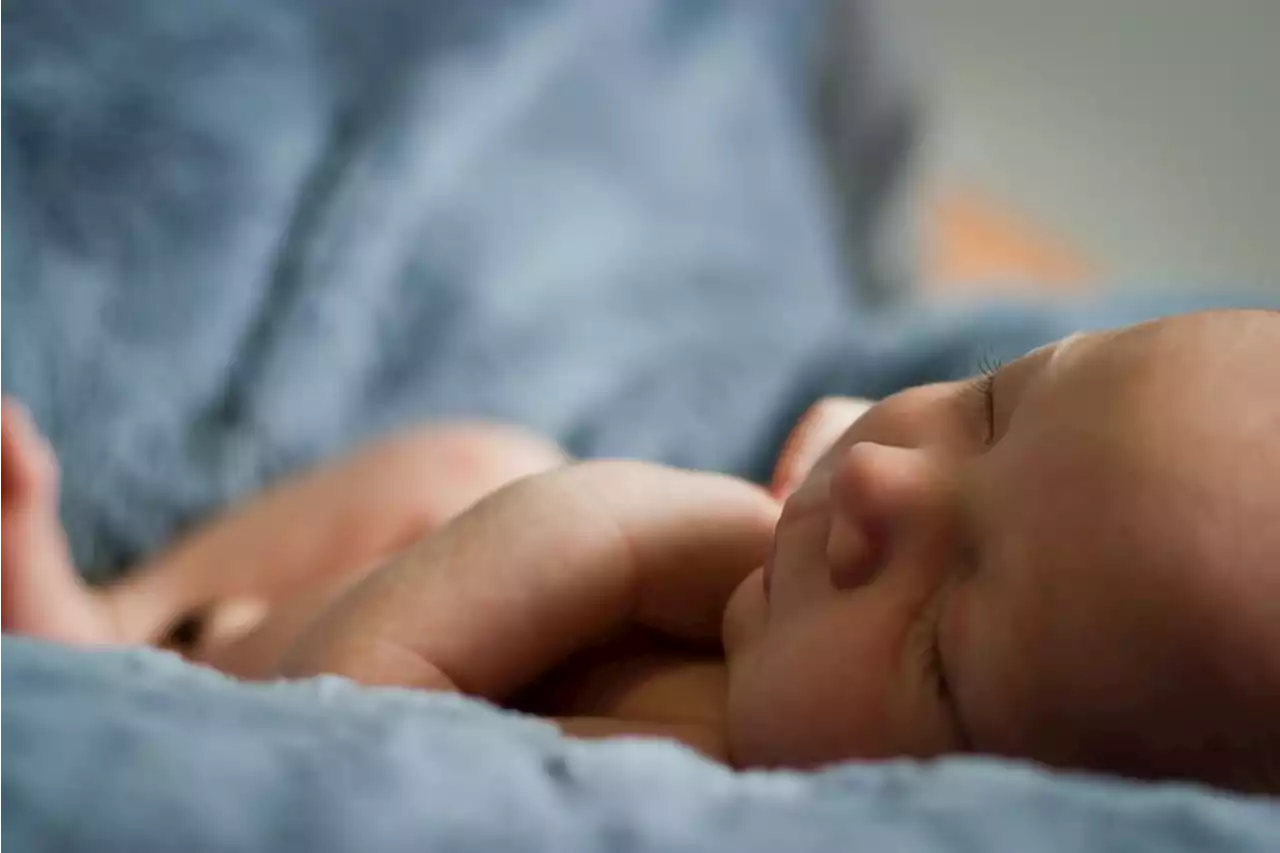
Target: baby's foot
[42, 594]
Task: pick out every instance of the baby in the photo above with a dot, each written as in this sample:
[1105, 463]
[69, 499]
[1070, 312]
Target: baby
[1073, 559]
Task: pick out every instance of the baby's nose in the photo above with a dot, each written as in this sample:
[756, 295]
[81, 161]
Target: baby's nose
[882, 496]
[855, 551]
[884, 480]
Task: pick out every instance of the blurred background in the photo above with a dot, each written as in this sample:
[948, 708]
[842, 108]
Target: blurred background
[1129, 141]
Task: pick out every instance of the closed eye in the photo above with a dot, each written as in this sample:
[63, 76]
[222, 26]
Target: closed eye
[979, 398]
[987, 391]
[985, 386]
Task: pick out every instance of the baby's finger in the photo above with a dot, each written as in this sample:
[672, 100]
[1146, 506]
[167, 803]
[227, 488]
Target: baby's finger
[820, 428]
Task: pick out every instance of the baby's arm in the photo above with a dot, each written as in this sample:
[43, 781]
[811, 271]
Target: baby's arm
[293, 545]
[542, 569]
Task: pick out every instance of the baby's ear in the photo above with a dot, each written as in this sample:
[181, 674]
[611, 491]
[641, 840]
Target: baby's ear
[815, 433]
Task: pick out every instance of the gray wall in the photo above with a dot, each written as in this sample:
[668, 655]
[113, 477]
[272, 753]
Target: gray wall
[1146, 130]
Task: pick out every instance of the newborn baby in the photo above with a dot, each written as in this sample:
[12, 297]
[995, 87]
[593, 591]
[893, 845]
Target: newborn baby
[1073, 559]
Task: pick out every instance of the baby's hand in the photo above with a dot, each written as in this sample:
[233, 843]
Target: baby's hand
[542, 569]
[815, 433]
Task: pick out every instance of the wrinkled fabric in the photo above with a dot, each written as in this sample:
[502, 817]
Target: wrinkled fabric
[197, 762]
[240, 236]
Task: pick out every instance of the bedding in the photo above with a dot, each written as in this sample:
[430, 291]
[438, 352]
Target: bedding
[240, 236]
[134, 751]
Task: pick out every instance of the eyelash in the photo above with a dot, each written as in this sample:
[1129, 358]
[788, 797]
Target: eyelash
[989, 366]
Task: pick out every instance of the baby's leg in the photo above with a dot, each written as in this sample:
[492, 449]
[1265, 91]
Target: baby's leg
[291, 548]
[42, 594]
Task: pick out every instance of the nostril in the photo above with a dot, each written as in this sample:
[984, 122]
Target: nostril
[185, 634]
[855, 552]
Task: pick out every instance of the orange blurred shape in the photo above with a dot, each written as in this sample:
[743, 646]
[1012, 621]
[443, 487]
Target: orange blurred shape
[976, 245]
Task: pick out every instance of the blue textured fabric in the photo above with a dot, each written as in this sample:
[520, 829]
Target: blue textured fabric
[130, 751]
[242, 235]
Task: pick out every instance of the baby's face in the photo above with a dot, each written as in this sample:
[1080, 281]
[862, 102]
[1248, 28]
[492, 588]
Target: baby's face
[1020, 564]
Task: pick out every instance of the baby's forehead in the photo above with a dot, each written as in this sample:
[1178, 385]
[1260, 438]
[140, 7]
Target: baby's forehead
[1171, 429]
[1236, 346]
[1184, 384]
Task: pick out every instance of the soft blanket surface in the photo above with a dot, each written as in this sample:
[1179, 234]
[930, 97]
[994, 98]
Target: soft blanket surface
[242, 235]
[190, 761]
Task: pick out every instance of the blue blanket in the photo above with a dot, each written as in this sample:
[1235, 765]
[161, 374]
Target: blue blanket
[239, 236]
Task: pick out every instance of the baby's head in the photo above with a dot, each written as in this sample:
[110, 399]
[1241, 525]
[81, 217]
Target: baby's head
[1075, 560]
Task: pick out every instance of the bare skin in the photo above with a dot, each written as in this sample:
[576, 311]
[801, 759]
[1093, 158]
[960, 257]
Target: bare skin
[626, 565]
[284, 554]
[1074, 563]
[41, 595]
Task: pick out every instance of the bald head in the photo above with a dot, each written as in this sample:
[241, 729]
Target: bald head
[1142, 580]
[1084, 569]
[1224, 528]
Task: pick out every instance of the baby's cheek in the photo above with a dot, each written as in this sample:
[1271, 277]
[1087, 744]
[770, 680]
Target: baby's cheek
[980, 639]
